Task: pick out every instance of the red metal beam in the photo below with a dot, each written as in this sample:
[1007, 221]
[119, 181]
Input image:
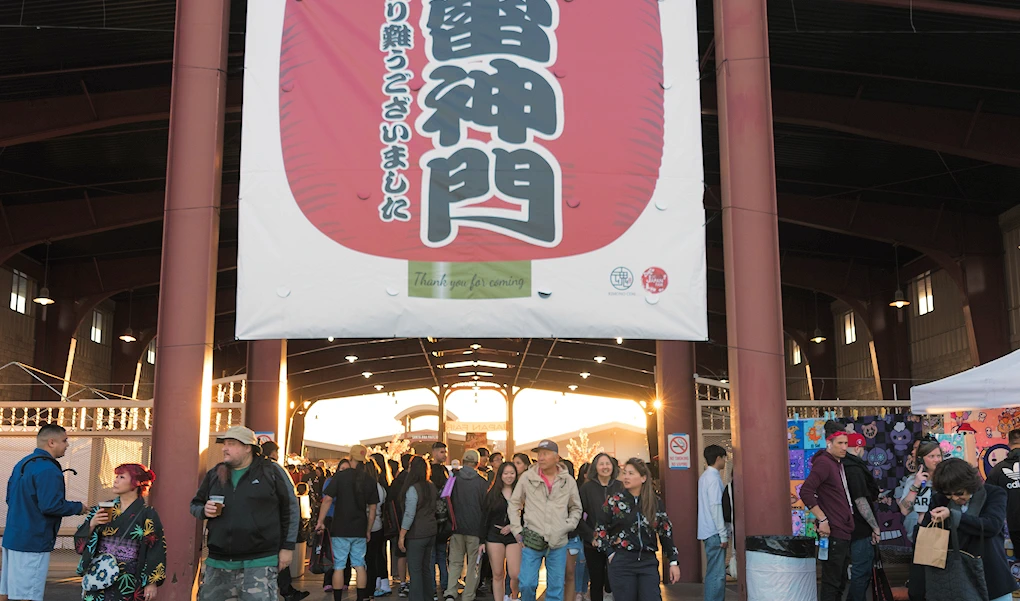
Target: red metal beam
[926, 229]
[999, 13]
[35, 120]
[981, 136]
[63, 219]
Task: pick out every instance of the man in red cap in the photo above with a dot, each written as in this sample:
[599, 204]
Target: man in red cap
[864, 492]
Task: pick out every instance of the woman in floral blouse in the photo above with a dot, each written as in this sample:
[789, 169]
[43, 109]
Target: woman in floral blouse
[131, 532]
[627, 530]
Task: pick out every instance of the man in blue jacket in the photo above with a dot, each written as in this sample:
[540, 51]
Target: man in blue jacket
[35, 506]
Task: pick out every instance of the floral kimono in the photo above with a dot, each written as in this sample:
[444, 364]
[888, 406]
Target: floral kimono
[140, 552]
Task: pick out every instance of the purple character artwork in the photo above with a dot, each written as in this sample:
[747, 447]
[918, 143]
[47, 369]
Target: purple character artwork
[879, 460]
[901, 437]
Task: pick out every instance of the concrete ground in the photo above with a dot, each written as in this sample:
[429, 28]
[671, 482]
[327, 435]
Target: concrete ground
[63, 585]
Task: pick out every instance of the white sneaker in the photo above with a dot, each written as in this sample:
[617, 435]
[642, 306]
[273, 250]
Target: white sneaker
[507, 598]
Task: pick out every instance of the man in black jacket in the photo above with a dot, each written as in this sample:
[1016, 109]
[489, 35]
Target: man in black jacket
[864, 492]
[468, 540]
[1006, 474]
[253, 517]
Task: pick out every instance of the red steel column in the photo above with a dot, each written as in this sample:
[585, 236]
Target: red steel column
[674, 367]
[751, 246]
[265, 405]
[187, 291]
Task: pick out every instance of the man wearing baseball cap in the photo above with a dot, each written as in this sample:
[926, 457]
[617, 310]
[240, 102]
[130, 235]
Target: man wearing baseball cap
[253, 519]
[553, 510]
[864, 492]
[354, 496]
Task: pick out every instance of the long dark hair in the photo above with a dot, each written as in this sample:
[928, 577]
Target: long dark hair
[593, 470]
[418, 473]
[384, 477]
[494, 497]
[649, 502]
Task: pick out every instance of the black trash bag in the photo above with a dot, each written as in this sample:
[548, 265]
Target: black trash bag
[802, 547]
[322, 553]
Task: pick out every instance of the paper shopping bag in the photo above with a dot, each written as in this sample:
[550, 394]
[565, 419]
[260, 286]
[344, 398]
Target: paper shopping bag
[932, 546]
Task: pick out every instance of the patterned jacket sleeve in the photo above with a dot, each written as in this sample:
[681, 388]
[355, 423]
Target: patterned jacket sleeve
[664, 528]
[85, 541]
[154, 543]
[603, 520]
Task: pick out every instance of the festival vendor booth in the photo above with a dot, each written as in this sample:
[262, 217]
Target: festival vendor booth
[985, 401]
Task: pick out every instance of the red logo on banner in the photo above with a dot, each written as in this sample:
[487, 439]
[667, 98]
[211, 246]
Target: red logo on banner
[654, 279]
[448, 130]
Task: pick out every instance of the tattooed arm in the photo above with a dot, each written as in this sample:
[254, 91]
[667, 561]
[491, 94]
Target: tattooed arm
[864, 508]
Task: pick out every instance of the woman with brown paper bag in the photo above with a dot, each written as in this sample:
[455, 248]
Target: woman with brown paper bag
[976, 512]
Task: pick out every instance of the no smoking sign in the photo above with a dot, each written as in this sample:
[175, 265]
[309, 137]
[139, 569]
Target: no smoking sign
[679, 451]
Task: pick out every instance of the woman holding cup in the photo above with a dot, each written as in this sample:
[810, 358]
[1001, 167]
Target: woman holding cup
[121, 543]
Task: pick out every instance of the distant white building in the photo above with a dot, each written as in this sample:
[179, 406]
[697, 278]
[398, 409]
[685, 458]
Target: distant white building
[620, 440]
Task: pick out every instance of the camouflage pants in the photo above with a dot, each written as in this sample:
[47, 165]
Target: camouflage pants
[251, 584]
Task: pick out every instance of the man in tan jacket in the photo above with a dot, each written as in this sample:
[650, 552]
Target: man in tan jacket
[547, 497]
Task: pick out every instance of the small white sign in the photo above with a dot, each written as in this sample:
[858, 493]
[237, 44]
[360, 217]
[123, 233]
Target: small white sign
[679, 451]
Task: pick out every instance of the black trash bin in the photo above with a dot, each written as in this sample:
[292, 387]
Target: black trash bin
[781, 567]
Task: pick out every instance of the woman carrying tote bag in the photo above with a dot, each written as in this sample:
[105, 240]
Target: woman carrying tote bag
[975, 513]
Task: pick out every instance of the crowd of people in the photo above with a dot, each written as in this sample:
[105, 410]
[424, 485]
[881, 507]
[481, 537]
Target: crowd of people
[946, 493]
[485, 524]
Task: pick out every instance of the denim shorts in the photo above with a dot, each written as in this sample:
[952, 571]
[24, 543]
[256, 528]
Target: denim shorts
[574, 546]
[344, 548]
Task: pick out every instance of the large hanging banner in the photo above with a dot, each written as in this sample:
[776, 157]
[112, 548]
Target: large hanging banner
[489, 168]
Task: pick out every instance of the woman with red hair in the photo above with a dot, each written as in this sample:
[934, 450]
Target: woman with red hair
[123, 551]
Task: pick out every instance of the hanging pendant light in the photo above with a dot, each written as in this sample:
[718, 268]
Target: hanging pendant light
[899, 299]
[128, 336]
[818, 337]
[44, 297]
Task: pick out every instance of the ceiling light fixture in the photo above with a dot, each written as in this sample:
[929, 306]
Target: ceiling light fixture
[476, 346]
[460, 364]
[818, 336]
[367, 374]
[585, 375]
[599, 359]
[619, 341]
[378, 386]
[657, 404]
[572, 387]
[128, 336]
[351, 358]
[330, 339]
[44, 298]
[899, 299]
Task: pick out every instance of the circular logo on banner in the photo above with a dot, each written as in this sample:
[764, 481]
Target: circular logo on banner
[621, 278]
[654, 279]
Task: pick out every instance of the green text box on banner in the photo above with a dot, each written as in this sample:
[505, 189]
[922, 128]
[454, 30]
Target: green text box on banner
[464, 281]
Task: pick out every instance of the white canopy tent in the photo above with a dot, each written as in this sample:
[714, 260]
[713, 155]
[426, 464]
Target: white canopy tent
[993, 385]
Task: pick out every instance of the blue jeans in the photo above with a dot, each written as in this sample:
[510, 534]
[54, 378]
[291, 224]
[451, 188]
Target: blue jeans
[715, 569]
[862, 555]
[439, 559]
[555, 572]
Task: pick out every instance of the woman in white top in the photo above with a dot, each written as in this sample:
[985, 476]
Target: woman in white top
[915, 498]
[375, 554]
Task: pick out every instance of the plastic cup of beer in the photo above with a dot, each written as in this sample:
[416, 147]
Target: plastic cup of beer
[107, 508]
[218, 500]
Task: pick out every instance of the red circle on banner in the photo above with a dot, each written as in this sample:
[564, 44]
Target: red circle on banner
[608, 65]
[654, 279]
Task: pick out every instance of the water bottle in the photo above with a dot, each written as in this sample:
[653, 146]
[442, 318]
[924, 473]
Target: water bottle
[823, 548]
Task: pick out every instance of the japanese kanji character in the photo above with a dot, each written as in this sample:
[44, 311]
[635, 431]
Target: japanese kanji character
[396, 35]
[395, 183]
[396, 83]
[394, 208]
[466, 28]
[397, 109]
[396, 12]
[522, 177]
[395, 157]
[396, 60]
[512, 100]
[391, 133]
